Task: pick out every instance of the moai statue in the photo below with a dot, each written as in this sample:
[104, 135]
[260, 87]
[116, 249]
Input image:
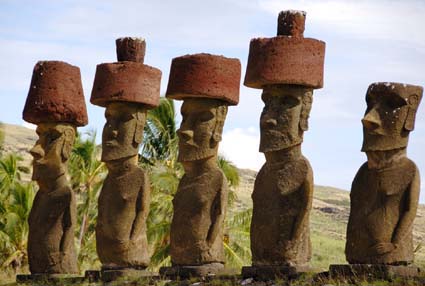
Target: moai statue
[287, 67]
[55, 103]
[127, 89]
[385, 192]
[207, 84]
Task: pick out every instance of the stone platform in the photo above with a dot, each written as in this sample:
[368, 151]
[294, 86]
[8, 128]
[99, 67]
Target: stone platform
[186, 272]
[373, 271]
[271, 272]
[50, 278]
[108, 275]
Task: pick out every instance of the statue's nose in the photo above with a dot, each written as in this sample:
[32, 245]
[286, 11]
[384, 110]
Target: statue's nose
[37, 152]
[371, 120]
[185, 135]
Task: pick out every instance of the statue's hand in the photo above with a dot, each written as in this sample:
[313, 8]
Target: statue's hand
[383, 247]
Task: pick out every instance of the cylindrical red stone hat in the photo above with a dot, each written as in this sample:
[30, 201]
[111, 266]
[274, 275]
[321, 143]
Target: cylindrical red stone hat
[288, 58]
[55, 95]
[129, 80]
[205, 76]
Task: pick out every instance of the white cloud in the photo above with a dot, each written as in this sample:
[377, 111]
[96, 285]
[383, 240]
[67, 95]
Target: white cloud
[402, 20]
[241, 147]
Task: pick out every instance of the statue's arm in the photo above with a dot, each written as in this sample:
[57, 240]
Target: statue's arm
[409, 213]
[218, 211]
[69, 217]
[142, 207]
[307, 191]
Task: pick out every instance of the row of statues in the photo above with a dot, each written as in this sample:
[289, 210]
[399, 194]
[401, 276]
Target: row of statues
[288, 67]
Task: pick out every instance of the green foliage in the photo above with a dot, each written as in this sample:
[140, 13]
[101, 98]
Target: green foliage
[87, 174]
[16, 199]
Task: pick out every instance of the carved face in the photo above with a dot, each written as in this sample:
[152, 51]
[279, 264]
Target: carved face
[285, 117]
[384, 123]
[52, 150]
[201, 128]
[123, 130]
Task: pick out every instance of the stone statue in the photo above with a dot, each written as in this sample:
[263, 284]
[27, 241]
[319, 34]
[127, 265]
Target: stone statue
[56, 104]
[127, 89]
[207, 84]
[287, 67]
[385, 192]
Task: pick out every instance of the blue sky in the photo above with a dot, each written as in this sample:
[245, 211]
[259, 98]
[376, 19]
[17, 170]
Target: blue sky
[366, 41]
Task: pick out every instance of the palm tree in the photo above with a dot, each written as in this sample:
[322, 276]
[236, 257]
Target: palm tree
[160, 137]
[87, 175]
[16, 200]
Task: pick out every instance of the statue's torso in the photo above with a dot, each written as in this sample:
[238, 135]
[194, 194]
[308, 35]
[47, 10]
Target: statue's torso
[119, 204]
[279, 199]
[52, 217]
[378, 200]
[193, 203]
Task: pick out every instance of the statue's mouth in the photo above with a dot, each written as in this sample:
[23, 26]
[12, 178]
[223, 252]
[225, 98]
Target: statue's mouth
[111, 143]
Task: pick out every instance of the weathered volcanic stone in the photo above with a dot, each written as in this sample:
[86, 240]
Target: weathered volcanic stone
[291, 23]
[127, 82]
[288, 58]
[131, 49]
[55, 95]
[287, 68]
[205, 76]
[385, 191]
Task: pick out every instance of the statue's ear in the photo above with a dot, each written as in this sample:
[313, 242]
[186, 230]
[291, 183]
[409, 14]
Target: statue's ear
[409, 123]
[68, 141]
[221, 112]
[140, 124]
[307, 100]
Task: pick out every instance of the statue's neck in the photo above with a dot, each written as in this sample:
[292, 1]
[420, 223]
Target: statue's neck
[285, 155]
[384, 159]
[198, 167]
[52, 184]
[122, 165]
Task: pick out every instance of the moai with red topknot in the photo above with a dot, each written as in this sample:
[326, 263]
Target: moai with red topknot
[208, 84]
[385, 192]
[55, 103]
[287, 67]
[127, 89]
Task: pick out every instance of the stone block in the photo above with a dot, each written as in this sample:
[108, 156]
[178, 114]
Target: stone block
[55, 95]
[127, 82]
[205, 76]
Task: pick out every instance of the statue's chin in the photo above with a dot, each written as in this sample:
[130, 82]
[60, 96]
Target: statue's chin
[195, 155]
[268, 144]
[372, 142]
[112, 154]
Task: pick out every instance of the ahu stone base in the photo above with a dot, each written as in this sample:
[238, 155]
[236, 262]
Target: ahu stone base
[270, 272]
[373, 271]
[188, 271]
[49, 278]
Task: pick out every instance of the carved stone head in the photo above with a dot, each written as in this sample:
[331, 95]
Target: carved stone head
[285, 116]
[390, 115]
[201, 128]
[52, 150]
[123, 130]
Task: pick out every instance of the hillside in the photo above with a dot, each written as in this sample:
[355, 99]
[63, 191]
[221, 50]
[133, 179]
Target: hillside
[329, 216]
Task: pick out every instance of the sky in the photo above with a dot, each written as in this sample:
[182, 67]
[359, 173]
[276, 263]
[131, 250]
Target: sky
[366, 42]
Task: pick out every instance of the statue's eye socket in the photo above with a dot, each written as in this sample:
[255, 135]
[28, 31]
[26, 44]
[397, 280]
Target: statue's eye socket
[394, 103]
[290, 101]
[206, 116]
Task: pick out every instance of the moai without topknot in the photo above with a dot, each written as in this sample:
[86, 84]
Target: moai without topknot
[207, 84]
[385, 192]
[127, 89]
[287, 67]
[55, 103]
